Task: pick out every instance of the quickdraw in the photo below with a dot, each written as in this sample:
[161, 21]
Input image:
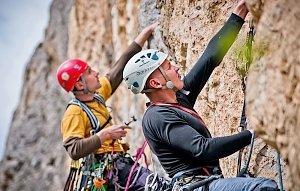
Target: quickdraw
[193, 182]
[154, 183]
[183, 183]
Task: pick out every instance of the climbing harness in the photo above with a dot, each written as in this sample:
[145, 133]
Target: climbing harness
[244, 172]
[189, 180]
[193, 182]
[155, 183]
[81, 174]
[182, 181]
[98, 172]
[93, 119]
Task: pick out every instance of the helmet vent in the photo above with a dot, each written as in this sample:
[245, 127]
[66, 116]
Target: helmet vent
[135, 84]
[154, 57]
[65, 76]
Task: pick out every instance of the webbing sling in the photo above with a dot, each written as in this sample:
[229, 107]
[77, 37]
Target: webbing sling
[96, 128]
[193, 113]
[93, 119]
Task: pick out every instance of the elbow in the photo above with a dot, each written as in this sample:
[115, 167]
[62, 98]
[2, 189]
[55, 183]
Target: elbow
[73, 151]
[75, 156]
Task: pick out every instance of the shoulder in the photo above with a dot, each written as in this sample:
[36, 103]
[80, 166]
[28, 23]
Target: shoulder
[73, 110]
[158, 116]
[159, 111]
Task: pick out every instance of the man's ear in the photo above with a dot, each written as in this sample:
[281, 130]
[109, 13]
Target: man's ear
[79, 85]
[154, 83]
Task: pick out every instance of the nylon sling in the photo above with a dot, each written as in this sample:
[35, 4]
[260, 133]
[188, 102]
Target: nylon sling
[93, 119]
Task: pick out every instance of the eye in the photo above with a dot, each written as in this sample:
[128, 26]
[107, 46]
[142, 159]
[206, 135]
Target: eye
[169, 66]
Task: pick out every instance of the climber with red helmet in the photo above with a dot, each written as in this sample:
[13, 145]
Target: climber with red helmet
[86, 125]
[174, 130]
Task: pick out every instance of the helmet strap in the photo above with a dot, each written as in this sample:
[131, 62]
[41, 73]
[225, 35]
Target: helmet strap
[169, 84]
[85, 89]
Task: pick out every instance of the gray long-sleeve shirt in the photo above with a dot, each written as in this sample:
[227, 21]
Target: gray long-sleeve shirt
[180, 141]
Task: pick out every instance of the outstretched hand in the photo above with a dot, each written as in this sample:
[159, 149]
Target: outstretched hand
[241, 9]
[113, 132]
[146, 33]
[151, 28]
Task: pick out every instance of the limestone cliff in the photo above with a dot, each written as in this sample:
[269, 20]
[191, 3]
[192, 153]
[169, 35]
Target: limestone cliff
[98, 31]
[273, 89]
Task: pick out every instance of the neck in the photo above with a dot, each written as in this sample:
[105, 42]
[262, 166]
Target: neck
[85, 97]
[163, 96]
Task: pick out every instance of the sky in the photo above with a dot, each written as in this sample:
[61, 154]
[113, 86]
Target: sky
[22, 28]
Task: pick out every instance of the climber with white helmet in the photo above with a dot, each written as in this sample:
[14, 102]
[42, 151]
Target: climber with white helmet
[174, 130]
[87, 127]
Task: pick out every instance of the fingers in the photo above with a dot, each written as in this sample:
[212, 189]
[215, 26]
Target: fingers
[118, 131]
[113, 132]
[154, 25]
[126, 127]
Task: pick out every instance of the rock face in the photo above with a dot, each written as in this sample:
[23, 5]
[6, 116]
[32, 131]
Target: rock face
[34, 158]
[98, 32]
[273, 89]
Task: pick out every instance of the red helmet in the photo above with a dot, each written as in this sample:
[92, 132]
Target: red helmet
[69, 73]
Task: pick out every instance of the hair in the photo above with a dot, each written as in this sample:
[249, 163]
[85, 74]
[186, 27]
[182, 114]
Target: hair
[74, 88]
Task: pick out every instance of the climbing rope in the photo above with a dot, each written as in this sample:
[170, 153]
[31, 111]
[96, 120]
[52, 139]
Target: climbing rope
[139, 154]
[243, 123]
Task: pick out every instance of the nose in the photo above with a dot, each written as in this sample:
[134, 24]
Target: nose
[175, 67]
[96, 73]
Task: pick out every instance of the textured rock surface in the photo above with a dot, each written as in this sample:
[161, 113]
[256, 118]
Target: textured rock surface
[187, 27]
[273, 89]
[98, 31]
[34, 158]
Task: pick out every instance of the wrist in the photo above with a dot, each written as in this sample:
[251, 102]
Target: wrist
[251, 131]
[102, 135]
[241, 11]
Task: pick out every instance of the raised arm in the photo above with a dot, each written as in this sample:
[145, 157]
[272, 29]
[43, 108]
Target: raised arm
[241, 9]
[115, 74]
[215, 52]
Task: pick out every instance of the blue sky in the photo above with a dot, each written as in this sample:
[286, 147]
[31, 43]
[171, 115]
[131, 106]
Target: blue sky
[22, 27]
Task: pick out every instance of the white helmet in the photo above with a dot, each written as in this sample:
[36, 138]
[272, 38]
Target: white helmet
[139, 68]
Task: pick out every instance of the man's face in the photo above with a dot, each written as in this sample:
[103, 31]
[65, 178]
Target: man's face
[172, 71]
[92, 80]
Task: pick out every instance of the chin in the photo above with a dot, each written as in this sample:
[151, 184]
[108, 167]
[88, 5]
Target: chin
[180, 85]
